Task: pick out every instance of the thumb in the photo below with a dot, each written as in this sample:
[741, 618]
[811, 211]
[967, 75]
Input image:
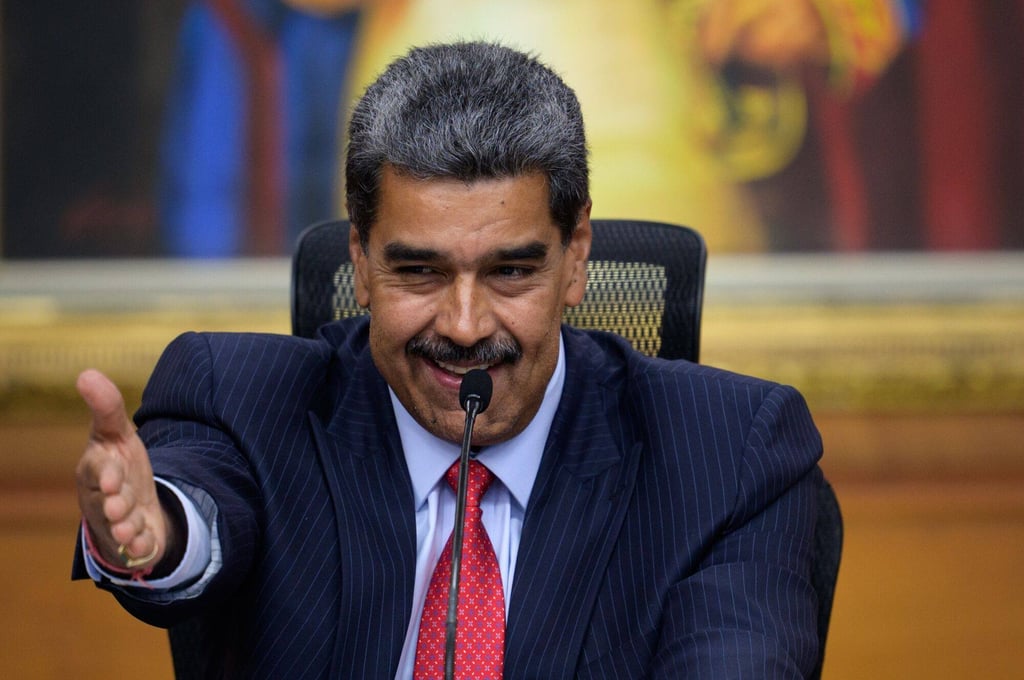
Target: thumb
[109, 419]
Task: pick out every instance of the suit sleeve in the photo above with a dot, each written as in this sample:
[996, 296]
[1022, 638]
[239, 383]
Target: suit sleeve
[749, 610]
[192, 447]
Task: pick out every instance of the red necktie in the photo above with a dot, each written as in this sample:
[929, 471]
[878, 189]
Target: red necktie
[480, 636]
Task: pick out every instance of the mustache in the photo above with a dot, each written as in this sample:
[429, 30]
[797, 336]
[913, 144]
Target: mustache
[488, 351]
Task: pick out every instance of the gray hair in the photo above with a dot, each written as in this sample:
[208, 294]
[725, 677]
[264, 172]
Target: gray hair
[468, 111]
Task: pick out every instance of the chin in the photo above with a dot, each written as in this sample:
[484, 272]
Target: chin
[447, 425]
[487, 432]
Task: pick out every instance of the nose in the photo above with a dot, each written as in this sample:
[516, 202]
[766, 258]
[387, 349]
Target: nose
[466, 313]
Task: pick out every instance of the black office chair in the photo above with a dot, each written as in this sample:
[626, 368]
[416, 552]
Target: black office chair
[646, 283]
[828, 550]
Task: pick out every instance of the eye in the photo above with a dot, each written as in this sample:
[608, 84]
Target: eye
[414, 270]
[512, 271]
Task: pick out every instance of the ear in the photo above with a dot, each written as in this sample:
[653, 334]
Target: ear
[577, 255]
[362, 268]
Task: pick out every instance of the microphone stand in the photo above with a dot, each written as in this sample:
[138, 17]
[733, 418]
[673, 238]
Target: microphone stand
[460, 518]
[474, 396]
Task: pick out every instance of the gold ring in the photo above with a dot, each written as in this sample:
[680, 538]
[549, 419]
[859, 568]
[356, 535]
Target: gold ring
[132, 562]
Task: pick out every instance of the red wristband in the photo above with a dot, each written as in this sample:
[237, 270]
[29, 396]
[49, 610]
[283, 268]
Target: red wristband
[135, 574]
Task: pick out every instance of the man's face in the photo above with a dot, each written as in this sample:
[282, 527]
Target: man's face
[460, 276]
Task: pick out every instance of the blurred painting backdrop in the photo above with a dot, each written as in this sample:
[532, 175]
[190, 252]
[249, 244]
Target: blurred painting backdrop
[856, 166]
[214, 128]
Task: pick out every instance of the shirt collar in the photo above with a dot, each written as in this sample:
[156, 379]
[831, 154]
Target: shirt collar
[515, 462]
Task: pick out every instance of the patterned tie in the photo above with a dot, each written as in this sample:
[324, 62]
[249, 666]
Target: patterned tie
[480, 636]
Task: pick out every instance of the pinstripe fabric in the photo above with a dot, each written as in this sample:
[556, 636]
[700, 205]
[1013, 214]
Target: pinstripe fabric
[684, 500]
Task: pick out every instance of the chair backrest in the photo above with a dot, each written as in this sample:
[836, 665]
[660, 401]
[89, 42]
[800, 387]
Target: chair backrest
[828, 550]
[646, 283]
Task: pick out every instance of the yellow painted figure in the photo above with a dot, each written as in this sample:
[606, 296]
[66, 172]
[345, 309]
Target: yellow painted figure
[674, 123]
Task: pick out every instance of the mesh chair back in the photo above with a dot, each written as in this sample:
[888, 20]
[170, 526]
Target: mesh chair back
[646, 283]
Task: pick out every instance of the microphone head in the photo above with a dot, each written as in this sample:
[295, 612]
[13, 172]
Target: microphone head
[476, 384]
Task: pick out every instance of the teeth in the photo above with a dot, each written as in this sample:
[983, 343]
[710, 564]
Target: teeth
[460, 370]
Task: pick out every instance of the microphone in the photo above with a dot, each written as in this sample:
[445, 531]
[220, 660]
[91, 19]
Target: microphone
[475, 390]
[474, 398]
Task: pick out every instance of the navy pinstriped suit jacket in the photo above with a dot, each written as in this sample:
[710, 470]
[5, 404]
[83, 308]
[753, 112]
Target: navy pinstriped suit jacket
[669, 533]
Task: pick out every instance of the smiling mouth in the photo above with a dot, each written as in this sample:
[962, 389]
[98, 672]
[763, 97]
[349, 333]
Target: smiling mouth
[461, 370]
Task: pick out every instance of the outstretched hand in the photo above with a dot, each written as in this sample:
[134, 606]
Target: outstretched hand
[116, 490]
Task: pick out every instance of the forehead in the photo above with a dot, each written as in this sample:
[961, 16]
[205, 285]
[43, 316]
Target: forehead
[451, 209]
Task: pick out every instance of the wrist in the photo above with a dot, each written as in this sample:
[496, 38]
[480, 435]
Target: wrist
[138, 569]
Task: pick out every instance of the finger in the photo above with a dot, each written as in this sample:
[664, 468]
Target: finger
[140, 545]
[127, 531]
[110, 475]
[109, 418]
[117, 507]
[100, 472]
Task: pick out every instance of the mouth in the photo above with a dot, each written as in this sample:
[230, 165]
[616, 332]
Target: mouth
[461, 370]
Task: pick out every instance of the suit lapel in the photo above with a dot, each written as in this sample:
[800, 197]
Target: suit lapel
[576, 510]
[361, 455]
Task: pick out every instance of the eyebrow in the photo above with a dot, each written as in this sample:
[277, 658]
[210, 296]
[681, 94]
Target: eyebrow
[531, 251]
[403, 252]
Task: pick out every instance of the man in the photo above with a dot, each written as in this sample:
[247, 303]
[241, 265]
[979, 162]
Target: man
[648, 518]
